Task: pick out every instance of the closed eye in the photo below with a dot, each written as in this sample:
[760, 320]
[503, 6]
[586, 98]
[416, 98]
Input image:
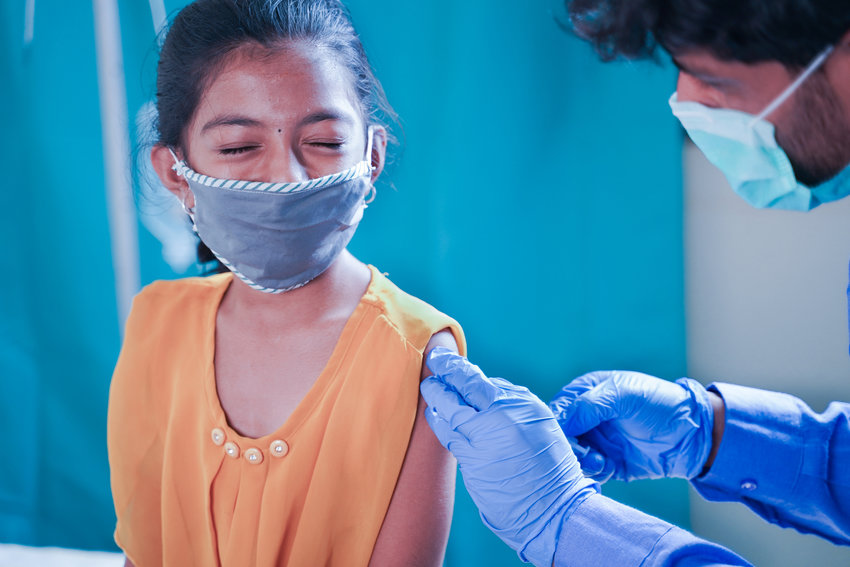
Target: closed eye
[238, 150]
[331, 145]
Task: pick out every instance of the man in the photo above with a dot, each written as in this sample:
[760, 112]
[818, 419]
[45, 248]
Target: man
[764, 91]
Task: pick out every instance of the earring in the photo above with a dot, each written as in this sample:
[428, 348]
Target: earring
[372, 193]
[187, 210]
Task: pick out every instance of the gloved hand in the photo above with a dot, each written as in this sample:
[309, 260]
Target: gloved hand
[515, 461]
[643, 427]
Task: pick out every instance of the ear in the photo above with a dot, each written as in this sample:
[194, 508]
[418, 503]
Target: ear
[379, 150]
[162, 162]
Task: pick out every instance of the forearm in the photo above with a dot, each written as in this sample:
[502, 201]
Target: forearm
[604, 532]
[784, 461]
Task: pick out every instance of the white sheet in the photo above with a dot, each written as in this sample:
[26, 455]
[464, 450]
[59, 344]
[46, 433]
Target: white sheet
[22, 556]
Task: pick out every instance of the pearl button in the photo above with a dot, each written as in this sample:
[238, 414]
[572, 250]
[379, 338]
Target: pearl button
[254, 456]
[278, 448]
[749, 485]
[217, 436]
[231, 449]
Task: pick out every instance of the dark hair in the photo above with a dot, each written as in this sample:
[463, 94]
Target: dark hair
[791, 32]
[206, 32]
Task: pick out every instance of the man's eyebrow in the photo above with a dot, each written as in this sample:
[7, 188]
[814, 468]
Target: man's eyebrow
[231, 120]
[705, 76]
[689, 70]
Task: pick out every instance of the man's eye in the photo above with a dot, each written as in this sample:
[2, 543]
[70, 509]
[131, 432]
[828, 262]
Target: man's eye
[235, 151]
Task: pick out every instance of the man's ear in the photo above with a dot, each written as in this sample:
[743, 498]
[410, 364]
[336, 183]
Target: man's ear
[379, 150]
[162, 162]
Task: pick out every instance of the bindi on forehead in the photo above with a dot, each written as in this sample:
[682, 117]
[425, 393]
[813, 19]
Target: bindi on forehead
[259, 87]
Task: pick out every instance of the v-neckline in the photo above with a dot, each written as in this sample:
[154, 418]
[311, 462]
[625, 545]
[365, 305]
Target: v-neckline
[315, 393]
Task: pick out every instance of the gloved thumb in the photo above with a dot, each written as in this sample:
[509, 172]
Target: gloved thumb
[441, 360]
[594, 465]
[470, 383]
[591, 461]
[586, 412]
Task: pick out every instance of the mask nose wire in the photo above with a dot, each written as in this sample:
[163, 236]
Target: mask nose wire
[789, 90]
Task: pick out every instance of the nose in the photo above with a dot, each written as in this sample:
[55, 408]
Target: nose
[281, 163]
[690, 89]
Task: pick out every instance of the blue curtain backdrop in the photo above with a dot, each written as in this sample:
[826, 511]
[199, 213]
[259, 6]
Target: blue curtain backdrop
[536, 198]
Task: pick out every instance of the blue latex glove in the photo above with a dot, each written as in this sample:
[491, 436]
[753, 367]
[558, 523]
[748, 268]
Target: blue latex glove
[515, 461]
[642, 426]
[592, 463]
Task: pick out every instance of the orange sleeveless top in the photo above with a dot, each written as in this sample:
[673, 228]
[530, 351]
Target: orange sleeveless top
[189, 490]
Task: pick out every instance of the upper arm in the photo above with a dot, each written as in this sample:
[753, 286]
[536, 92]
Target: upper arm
[416, 528]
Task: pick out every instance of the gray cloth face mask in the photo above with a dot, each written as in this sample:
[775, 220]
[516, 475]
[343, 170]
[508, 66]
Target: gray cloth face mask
[279, 236]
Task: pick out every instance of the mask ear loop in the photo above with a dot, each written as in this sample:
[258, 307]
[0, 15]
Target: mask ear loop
[789, 90]
[372, 191]
[180, 167]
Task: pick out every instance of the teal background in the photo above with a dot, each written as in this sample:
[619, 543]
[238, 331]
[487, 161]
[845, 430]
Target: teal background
[536, 199]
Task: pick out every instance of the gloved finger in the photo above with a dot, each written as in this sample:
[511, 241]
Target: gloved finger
[592, 462]
[589, 410]
[445, 401]
[509, 386]
[441, 428]
[577, 387]
[466, 378]
[578, 449]
[598, 467]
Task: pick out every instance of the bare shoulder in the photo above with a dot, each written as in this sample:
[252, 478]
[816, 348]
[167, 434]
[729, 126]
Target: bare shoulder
[444, 338]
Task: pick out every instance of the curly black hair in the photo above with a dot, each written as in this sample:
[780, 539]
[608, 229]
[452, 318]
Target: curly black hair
[791, 32]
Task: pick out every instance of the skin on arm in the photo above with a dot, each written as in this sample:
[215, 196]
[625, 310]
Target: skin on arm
[416, 527]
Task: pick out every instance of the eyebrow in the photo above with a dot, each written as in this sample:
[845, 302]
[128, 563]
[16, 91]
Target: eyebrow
[691, 71]
[705, 76]
[231, 120]
[323, 115]
[244, 121]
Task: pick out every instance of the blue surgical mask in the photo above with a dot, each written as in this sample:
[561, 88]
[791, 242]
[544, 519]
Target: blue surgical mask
[279, 236]
[744, 148]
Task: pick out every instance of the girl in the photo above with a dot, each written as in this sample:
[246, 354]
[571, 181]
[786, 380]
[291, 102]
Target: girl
[270, 415]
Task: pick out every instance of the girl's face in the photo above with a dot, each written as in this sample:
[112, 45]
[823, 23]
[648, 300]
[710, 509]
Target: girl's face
[276, 116]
